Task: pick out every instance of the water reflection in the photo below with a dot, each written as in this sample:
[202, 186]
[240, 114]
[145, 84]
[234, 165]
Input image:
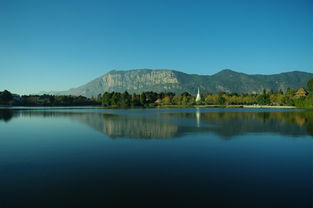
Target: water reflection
[198, 117]
[151, 124]
[6, 115]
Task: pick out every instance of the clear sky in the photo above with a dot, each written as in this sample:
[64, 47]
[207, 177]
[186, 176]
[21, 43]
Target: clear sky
[55, 45]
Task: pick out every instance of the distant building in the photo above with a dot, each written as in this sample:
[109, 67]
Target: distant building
[301, 93]
[198, 98]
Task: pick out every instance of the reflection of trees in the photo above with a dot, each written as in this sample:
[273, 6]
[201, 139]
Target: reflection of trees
[169, 125]
[6, 115]
[230, 124]
[116, 126]
[141, 128]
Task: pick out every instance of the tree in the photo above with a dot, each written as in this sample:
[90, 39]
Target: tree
[6, 96]
[142, 98]
[51, 100]
[135, 99]
[166, 100]
[6, 115]
[220, 100]
[263, 99]
[125, 100]
[184, 100]
[310, 86]
[115, 98]
[210, 99]
[106, 97]
[287, 100]
[177, 99]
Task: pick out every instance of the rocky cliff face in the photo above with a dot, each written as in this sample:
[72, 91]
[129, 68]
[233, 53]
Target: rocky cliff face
[137, 80]
[173, 81]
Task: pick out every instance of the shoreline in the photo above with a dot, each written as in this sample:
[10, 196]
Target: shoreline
[139, 107]
[227, 106]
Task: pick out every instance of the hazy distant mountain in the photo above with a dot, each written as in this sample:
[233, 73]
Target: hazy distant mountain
[174, 81]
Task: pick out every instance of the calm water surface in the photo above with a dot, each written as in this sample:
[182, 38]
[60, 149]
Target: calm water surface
[155, 157]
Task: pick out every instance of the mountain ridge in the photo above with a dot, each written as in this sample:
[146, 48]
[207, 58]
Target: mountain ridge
[167, 80]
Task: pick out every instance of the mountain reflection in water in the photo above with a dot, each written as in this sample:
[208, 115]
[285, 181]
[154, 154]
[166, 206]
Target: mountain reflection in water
[151, 124]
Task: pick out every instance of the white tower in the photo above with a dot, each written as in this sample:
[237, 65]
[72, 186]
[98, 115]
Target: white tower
[198, 98]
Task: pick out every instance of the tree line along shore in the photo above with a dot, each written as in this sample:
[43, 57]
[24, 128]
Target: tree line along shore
[300, 98]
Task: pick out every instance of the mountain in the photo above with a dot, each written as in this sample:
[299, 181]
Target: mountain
[140, 80]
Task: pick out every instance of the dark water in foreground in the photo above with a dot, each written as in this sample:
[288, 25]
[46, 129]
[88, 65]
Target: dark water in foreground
[162, 158]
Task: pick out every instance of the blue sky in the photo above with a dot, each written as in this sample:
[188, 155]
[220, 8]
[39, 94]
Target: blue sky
[55, 45]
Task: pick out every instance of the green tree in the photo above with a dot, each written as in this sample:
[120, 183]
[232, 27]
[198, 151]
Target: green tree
[135, 100]
[115, 99]
[51, 100]
[142, 98]
[220, 100]
[6, 96]
[287, 100]
[166, 100]
[263, 99]
[106, 99]
[184, 100]
[310, 86]
[300, 102]
[177, 99]
[125, 99]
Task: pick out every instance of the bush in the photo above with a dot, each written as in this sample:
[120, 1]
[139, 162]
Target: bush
[221, 100]
[263, 99]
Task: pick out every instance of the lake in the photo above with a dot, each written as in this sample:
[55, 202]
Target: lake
[94, 157]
